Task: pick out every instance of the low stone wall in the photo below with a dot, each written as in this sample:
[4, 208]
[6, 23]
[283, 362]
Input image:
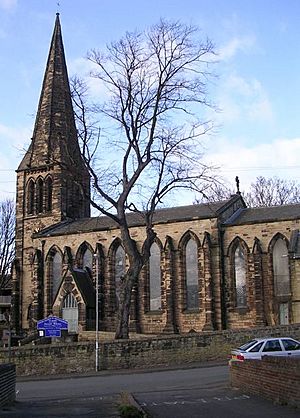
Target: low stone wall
[7, 384]
[136, 353]
[274, 378]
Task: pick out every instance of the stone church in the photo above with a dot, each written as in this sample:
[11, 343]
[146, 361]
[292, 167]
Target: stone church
[213, 266]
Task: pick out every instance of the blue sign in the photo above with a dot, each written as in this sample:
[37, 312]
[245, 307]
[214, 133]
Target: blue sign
[52, 326]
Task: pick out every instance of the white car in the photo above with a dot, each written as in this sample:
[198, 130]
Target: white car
[259, 347]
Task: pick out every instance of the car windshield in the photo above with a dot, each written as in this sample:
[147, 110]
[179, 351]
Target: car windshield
[250, 344]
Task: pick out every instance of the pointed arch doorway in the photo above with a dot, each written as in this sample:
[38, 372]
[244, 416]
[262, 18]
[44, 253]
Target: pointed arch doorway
[70, 313]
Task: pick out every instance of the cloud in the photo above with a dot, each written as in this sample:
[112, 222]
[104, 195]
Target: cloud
[82, 67]
[15, 137]
[241, 98]
[13, 142]
[8, 4]
[236, 45]
[277, 158]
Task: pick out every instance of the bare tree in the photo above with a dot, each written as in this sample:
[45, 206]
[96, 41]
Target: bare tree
[263, 192]
[156, 85]
[7, 240]
[214, 193]
[272, 191]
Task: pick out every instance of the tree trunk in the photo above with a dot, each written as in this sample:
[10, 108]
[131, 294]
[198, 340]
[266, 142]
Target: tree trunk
[130, 279]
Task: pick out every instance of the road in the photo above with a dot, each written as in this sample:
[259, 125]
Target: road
[194, 392]
[109, 383]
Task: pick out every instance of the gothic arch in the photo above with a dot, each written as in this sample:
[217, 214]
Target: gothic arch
[48, 193]
[238, 252]
[117, 266]
[40, 192]
[153, 278]
[54, 275]
[278, 250]
[257, 248]
[54, 249]
[84, 256]
[186, 237]
[30, 196]
[169, 244]
[275, 238]
[206, 239]
[189, 250]
[67, 256]
[234, 243]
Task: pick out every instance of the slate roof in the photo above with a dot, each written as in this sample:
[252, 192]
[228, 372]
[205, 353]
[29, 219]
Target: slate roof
[264, 214]
[85, 285]
[166, 215]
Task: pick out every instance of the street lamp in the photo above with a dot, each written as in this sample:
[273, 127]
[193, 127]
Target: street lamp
[97, 310]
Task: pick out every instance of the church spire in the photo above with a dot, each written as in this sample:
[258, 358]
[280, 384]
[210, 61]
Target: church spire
[54, 136]
[53, 182]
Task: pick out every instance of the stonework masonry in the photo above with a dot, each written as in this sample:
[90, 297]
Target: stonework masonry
[60, 358]
[221, 265]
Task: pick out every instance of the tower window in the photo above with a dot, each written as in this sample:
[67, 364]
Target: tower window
[49, 187]
[39, 196]
[30, 197]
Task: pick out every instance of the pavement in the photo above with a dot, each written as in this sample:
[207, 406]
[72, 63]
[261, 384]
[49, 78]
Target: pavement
[102, 406]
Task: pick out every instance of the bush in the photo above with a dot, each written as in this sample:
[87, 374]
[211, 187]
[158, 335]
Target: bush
[130, 411]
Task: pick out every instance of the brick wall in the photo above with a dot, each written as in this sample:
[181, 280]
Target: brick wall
[274, 378]
[7, 384]
[140, 353]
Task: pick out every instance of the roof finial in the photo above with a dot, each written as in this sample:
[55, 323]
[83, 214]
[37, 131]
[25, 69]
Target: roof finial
[237, 181]
[58, 6]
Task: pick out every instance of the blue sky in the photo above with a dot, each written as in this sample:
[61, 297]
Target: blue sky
[257, 88]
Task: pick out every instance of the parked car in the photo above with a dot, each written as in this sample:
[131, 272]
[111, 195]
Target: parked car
[259, 347]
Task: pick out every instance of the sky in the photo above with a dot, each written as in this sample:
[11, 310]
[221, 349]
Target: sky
[256, 90]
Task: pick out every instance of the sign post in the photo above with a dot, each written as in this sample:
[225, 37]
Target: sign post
[97, 310]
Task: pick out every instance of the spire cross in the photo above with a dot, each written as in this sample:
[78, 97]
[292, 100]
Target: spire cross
[237, 181]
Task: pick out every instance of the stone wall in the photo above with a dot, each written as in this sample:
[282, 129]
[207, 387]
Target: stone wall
[136, 353]
[274, 378]
[7, 384]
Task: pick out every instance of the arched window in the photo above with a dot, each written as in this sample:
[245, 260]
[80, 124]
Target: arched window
[240, 277]
[30, 197]
[69, 301]
[56, 273]
[39, 196]
[281, 268]
[120, 265]
[192, 274]
[155, 277]
[87, 259]
[49, 187]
